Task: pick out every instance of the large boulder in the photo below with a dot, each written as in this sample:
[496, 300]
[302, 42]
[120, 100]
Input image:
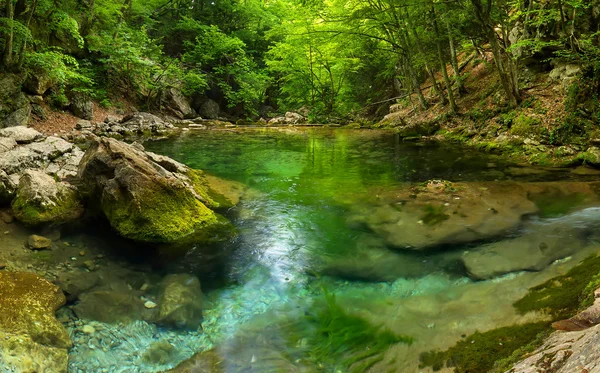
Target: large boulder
[37, 83]
[15, 109]
[31, 338]
[533, 251]
[443, 213]
[180, 301]
[82, 107]
[204, 362]
[149, 198]
[178, 104]
[20, 134]
[209, 109]
[40, 199]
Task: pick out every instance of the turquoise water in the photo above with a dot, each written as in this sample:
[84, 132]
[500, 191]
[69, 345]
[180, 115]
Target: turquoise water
[274, 303]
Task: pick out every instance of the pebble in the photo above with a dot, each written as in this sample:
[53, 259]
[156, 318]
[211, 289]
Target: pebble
[144, 287]
[6, 232]
[88, 329]
[73, 258]
[81, 253]
[150, 304]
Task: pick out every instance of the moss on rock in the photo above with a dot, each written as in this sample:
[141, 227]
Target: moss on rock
[32, 338]
[40, 199]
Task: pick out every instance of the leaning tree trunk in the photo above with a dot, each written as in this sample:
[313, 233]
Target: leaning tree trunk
[460, 84]
[453, 107]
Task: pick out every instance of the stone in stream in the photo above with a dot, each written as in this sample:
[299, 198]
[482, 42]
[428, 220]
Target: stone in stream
[442, 213]
[180, 301]
[41, 199]
[206, 362]
[110, 306]
[531, 252]
[150, 198]
[35, 242]
[31, 338]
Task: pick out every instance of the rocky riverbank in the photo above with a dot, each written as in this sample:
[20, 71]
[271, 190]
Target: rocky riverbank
[49, 186]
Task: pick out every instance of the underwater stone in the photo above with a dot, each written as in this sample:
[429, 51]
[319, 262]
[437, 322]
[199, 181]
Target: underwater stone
[205, 362]
[145, 200]
[109, 306]
[180, 301]
[41, 199]
[36, 242]
[31, 338]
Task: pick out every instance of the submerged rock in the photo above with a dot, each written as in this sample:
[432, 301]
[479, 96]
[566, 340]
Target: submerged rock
[36, 242]
[149, 198]
[31, 338]
[531, 252]
[443, 213]
[180, 301]
[204, 362]
[41, 199]
[110, 306]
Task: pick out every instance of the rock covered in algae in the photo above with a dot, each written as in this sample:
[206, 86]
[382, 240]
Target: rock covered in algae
[147, 197]
[180, 301]
[31, 338]
[41, 199]
[444, 213]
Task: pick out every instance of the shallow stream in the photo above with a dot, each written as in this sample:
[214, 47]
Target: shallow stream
[301, 213]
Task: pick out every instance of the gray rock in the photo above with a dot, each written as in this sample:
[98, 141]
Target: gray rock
[83, 124]
[294, 118]
[7, 143]
[37, 83]
[22, 135]
[112, 119]
[178, 104]
[180, 301]
[75, 283]
[42, 200]
[209, 109]
[19, 117]
[38, 111]
[82, 107]
[36, 100]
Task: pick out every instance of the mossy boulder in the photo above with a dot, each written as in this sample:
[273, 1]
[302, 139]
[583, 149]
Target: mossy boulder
[147, 197]
[42, 200]
[31, 338]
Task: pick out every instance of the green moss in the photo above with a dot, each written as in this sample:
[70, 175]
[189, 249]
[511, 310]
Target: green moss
[161, 214]
[42, 256]
[562, 296]
[434, 215]
[161, 352]
[215, 200]
[556, 204]
[66, 207]
[479, 352]
[526, 126]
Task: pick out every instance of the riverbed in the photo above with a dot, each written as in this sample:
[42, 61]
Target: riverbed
[311, 240]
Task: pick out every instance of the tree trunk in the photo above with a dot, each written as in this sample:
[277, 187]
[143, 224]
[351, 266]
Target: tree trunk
[124, 10]
[436, 87]
[454, 60]
[453, 107]
[506, 70]
[9, 41]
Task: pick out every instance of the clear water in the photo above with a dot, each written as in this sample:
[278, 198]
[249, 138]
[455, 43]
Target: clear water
[293, 219]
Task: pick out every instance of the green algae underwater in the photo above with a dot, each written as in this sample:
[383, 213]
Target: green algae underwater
[274, 309]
